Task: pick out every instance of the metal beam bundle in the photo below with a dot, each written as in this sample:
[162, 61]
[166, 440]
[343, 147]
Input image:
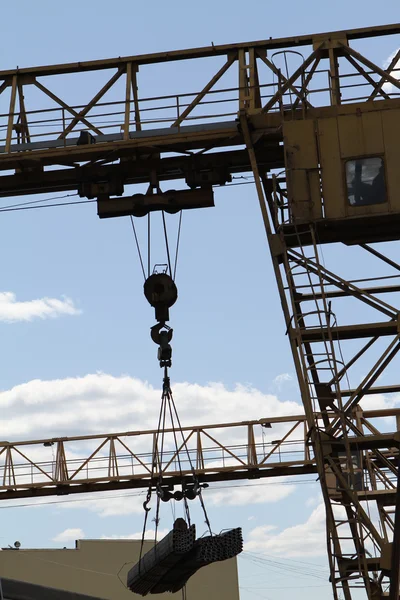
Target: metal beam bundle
[164, 555]
[205, 551]
[169, 564]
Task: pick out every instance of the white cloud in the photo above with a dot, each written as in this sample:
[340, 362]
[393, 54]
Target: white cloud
[100, 403]
[379, 401]
[314, 500]
[69, 535]
[12, 310]
[252, 494]
[282, 378]
[124, 505]
[306, 539]
[389, 87]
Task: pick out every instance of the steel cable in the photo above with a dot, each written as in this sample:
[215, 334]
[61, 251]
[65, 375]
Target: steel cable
[207, 521]
[166, 242]
[138, 247]
[177, 244]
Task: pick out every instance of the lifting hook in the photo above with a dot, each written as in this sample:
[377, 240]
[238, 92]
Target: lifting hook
[161, 292]
[161, 334]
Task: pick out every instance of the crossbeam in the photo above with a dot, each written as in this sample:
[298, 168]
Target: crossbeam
[257, 449]
[203, 52]
[133, 134]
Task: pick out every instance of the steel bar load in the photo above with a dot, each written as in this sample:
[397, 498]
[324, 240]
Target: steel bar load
[169, 565]
[161, 558]
[205, 551]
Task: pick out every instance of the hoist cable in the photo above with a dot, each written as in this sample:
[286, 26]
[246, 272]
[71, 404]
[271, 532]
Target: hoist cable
[158, 501]
[160, 428]
[174, 434]
[163, 412]
[172, 404]
[177, 244]
[173, 511]
[147, 510]
[138, 247]
[172, 272]
[160, 454]
[168, 404]
[148, 244]
[203, 506]
[166, 242]
[184, 444]
[157, 520]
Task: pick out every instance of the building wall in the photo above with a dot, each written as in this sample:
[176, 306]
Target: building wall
[93, 568]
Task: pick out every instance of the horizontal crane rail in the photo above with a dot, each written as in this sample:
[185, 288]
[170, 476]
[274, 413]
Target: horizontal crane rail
[170, 168]
[207, 51]
[270, 447]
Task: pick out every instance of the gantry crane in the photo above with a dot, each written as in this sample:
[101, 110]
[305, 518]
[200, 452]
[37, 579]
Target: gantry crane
[322, 143]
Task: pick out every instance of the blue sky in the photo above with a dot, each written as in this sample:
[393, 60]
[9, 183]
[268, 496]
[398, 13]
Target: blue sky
[227, 322]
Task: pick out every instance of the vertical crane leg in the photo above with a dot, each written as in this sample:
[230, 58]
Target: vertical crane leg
[355, 521]
[395, 571]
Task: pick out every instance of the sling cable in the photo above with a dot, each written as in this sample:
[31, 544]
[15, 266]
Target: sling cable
[169, 564]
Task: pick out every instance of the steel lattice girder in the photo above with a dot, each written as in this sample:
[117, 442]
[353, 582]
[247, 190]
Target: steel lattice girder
[270, 447]
[349, 462]
[51, 136]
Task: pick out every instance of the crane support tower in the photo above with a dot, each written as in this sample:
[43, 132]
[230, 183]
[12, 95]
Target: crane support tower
[322, 140]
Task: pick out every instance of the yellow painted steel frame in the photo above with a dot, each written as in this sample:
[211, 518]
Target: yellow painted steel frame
[270, 447]
[258, 121]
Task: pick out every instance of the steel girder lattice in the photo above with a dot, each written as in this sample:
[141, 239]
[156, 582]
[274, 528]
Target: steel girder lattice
[124, 134]
[362, 532]
[352, 461]
[264, 449]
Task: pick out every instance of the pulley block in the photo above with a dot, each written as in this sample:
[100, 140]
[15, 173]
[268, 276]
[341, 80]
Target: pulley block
[161, 292]
[189, 491]
[140, 205]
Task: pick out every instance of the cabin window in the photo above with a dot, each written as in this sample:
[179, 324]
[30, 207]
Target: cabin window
[365, 179]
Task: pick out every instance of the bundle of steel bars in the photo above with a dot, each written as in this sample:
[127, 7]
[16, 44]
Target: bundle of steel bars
[170, 563]
[161, 558]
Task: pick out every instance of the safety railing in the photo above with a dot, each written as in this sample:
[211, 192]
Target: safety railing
[224, 448]
[38, 107]
[273, 446]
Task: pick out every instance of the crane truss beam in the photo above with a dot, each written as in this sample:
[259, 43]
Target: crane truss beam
[355, 531]
[204, 52]
[267, 448]
[124, 134]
